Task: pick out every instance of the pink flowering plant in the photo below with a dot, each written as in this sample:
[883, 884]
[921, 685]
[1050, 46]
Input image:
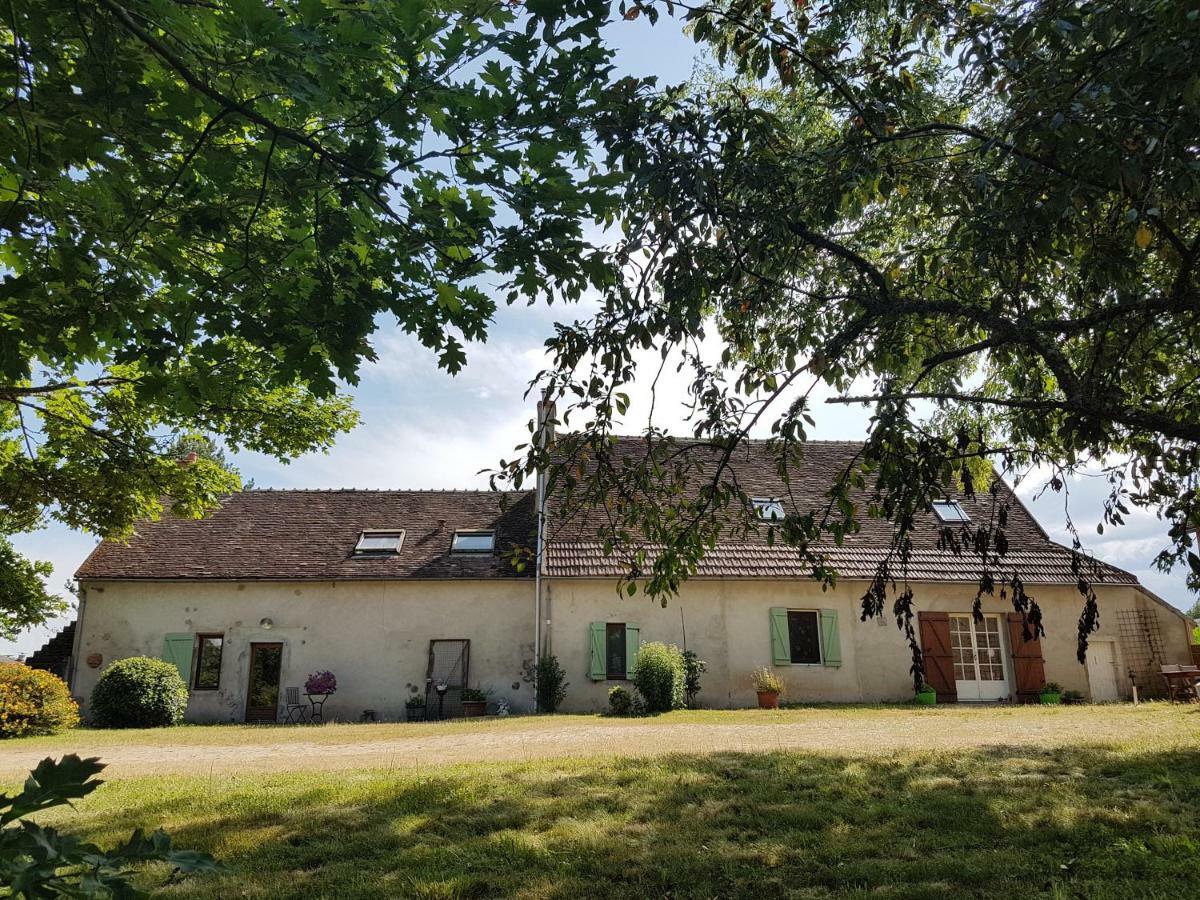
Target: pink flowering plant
[320, 683]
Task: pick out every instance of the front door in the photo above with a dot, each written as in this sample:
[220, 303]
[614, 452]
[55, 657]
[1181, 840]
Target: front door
[978, 658]
[1102, 671]
[262, 695]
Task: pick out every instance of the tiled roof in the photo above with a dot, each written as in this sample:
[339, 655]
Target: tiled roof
[754, 468]
[310, 535]
[1048, 565]
[575, 550]
[290, 535]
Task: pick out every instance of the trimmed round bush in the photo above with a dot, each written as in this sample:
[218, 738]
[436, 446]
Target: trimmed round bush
[34, 702]
[659, 675]
[139, 692]
[620, 701]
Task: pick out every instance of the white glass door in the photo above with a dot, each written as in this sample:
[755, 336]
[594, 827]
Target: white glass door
[978, 658]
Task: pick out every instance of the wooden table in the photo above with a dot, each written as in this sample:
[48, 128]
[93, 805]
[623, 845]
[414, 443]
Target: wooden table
[1181, 682]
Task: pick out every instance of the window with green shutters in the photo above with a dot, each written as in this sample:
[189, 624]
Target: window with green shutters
[177, 650]
[805, 637]
[612, 649]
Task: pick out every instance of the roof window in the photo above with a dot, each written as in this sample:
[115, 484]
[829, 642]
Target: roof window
[769, 509]
[473, 542]
[949, 511]
[379, 543]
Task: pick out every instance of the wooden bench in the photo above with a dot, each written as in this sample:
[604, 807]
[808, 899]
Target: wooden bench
[1181, 681]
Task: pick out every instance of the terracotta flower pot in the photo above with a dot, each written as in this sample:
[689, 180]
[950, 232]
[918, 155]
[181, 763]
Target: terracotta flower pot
[768, 699]
[472, 709]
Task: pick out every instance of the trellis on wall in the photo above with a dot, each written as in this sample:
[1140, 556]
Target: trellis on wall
[1141, 642]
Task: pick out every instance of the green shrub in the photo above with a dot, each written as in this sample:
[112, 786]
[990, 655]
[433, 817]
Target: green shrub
[620, 701]
[139, 692]
[550, 683]
[659, 676]
[34, 702]
[693, 668]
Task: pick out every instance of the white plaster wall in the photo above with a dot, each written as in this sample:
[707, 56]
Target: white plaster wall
[374, 636]
[727, 624]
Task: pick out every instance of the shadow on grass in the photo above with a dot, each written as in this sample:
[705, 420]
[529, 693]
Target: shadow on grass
[997, 822]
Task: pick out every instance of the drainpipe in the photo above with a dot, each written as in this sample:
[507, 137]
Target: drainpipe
[77, 644]
[544, 436]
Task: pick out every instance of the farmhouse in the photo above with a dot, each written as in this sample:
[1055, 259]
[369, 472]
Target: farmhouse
[398, 592]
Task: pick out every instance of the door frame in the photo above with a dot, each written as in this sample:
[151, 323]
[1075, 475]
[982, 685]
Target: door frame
[1005, 664]
[254, 645]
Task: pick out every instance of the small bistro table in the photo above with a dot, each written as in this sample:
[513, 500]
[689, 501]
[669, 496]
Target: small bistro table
[317, 702]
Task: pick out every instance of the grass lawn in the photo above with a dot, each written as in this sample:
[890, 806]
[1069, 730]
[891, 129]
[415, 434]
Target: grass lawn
[1100, 816]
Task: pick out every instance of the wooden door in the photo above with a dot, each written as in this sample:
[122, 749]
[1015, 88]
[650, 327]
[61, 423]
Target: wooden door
[1102, 671]
[1029, 671]
[936, 655]
[262, 692]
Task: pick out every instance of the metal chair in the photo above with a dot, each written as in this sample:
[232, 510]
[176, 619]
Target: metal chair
[297, 712]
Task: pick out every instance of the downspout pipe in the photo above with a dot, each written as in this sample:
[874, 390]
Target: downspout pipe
[544, 436]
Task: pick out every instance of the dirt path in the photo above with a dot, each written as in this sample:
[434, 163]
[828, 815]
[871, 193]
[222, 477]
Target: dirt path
[228, 749]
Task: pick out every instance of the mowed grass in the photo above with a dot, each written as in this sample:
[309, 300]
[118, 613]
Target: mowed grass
[1112, 818]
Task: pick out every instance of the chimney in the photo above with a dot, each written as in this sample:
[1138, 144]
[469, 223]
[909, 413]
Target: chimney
[188, 459]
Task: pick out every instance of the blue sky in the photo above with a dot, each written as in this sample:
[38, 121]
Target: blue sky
[422, 428]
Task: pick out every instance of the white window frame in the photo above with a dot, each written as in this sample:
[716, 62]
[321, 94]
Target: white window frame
[469, 532]
[366, 533]
[958, 517]
[763, 504]
[820, 663]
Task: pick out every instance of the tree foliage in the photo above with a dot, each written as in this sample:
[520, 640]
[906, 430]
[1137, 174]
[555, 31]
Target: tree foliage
[38, 861]
[979, 219]
[206, 209]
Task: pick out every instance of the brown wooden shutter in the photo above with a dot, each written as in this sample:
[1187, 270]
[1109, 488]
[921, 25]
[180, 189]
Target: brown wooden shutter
[1028, 668]
[935, 653]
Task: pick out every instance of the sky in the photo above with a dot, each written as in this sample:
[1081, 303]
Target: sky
[422, 428]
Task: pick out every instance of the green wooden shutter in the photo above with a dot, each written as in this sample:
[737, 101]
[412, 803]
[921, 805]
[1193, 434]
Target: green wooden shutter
[177, 650]
[780, 647]
[831, 642]
[597, 669]
[632, 644]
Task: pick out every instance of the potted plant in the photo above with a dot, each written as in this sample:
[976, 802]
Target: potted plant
[768, 686]
[320, 684]
[926, 695]
[1052, 693]
[414, 708]
[474, 702]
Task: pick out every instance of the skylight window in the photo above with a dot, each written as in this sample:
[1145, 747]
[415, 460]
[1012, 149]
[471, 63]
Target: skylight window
[950, 512]
[379, 543]
[769, 509]
[473, 542]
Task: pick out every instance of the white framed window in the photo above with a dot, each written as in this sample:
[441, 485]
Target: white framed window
[950, 512]
[473, 542]
[379, 543]
[768, 509]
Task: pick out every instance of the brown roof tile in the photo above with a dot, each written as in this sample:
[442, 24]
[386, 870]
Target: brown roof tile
[310, 535]
[1049, 565]
[288, 535]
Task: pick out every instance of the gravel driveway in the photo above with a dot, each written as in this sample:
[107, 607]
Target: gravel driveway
[855, 731]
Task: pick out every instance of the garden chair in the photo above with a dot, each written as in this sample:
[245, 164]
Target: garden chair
[296, 711]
